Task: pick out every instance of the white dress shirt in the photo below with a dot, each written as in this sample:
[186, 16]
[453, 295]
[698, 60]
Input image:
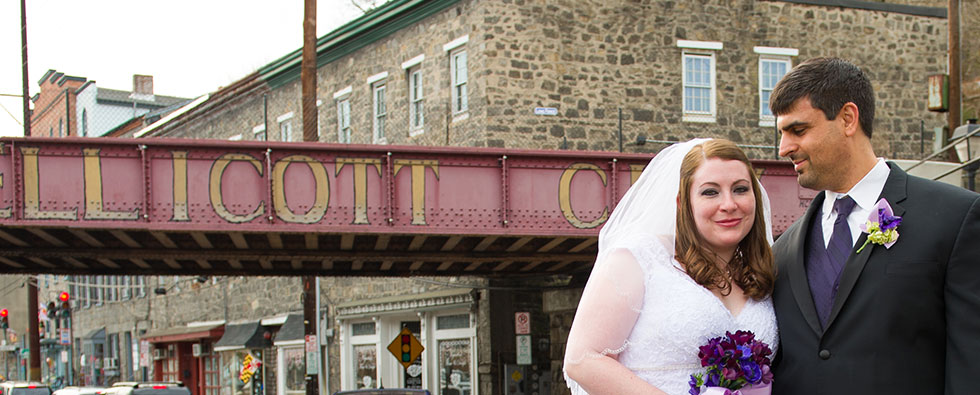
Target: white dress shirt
[865, 193]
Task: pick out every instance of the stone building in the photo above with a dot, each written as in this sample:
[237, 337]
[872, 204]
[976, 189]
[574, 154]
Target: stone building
[528, 74]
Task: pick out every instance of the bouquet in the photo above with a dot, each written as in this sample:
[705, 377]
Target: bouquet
[734, 362]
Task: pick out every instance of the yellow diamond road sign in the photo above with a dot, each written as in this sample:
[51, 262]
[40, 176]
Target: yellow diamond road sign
[406, 348]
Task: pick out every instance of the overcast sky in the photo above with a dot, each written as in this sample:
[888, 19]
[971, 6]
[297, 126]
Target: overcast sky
[190, 47]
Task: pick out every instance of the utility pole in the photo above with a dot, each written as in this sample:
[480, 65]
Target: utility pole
[26, 99]
[954, 117]
[308, 101]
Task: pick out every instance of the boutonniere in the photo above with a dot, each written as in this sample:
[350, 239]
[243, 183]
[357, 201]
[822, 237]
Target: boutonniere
[881, 226]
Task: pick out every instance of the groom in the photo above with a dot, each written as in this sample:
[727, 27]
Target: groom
[903, 319]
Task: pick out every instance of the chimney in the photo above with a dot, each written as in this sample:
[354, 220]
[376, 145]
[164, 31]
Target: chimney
[142, 85]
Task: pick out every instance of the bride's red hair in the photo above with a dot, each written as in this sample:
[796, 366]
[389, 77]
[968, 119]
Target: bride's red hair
[752, 267]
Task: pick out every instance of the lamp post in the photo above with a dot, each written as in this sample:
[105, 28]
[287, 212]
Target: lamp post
[968, 149]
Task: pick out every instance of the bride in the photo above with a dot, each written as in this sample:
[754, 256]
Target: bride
[658, 290]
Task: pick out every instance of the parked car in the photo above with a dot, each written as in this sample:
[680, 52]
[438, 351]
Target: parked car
[73, 390]
[24, 388]
[384, 391]
[148, 388]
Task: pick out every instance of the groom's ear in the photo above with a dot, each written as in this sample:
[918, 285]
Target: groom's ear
[849, 115]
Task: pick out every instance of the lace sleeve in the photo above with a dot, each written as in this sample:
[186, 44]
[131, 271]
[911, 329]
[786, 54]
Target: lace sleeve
[607, 312]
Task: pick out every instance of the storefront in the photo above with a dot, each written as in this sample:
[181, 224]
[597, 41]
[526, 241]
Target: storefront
[184, 353]
[444, 324]
[90, 372]
[242, 351]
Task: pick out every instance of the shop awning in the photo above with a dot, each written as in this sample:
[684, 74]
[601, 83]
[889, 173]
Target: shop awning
[242, 336]
[96, 335]
[293, 331]
[184, 333]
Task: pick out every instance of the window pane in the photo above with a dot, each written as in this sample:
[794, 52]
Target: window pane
[453, 321]
[363, 328]
[294, 359]
[454, 367]
[365, 366]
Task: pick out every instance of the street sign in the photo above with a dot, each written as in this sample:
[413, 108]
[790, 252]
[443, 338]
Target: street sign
[406, 348]
[545, 111]
[312, 355]
[523, 349]
[65, 336]
[522, 322]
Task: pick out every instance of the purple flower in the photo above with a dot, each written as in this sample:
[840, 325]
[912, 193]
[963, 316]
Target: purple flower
[741, 337]
[732, 361]
[886, 220]
[695, 386]
[752, 371]
[745, 351]
[714, 380]
[766, 374]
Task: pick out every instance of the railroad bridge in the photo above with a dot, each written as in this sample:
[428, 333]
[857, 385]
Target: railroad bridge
[165, 206]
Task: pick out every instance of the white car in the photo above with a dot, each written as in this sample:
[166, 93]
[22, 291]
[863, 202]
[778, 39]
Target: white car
[73, 390]
[24, 388]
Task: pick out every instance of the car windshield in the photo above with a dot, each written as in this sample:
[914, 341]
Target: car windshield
[162, 391]
[30, 391]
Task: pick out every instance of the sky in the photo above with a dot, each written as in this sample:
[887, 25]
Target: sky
[189, 47]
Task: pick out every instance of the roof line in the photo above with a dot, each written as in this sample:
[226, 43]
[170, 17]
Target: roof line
[371, 27]
[172, 115]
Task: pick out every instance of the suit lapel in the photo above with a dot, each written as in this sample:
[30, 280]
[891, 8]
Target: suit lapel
[796, 269]
[894, 192]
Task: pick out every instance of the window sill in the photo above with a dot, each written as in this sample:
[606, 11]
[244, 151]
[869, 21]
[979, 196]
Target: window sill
[416, 132]
[767, 123]
[699, 118]
[461, 116]
[382, 141]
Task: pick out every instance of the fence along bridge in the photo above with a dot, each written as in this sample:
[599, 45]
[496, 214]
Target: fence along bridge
[148, 206]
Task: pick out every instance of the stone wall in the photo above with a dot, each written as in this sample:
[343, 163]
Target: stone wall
[591, 58]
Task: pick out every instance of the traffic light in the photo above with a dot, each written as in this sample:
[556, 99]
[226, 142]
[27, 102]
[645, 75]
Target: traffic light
[406, 347]
[3, 319]
[65, 304]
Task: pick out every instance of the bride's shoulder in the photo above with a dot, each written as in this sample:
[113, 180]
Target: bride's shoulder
[645, 249]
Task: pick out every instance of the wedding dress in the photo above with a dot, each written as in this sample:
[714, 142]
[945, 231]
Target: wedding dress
[640, 306]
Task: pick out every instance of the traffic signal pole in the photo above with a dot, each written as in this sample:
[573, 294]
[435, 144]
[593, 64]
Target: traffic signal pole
[33, 337]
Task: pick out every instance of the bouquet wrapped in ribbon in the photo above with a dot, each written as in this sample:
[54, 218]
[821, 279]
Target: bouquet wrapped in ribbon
[737, 364]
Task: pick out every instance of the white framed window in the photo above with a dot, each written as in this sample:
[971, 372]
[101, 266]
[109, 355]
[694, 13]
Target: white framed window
[699, 86]
[416, 111]
[292, 371]
[773, 64]
[258, 133]
[286, 126]
[380, 111]
[454, 338]
[84, 122]
[361, 362]
[343, 121]
[459, 77]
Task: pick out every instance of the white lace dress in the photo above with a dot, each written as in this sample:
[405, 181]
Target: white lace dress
[676, 317]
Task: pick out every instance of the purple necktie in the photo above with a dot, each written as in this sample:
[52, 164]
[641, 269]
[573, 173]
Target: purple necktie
[824, 267]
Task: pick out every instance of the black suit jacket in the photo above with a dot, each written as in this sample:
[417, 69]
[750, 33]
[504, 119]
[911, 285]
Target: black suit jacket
[906, 320]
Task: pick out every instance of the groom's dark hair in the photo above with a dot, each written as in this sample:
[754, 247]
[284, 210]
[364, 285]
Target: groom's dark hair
[829, 83]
